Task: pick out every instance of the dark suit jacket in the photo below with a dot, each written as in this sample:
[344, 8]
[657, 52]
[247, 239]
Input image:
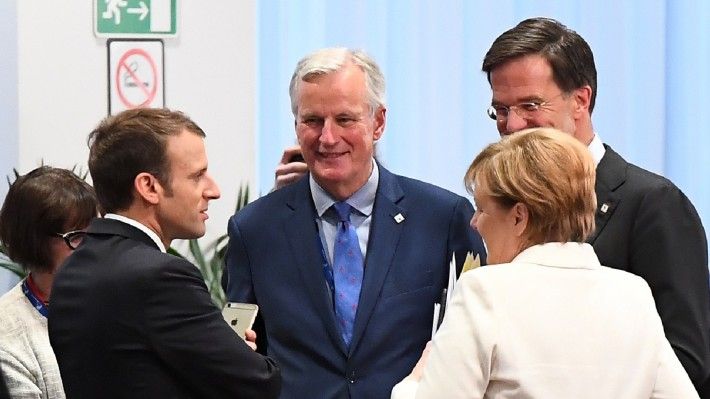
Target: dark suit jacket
[647, 226]
[128, 321]
[274, 260]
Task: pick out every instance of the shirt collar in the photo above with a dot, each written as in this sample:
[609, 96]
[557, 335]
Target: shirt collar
[140, 226]
[596, 147]
[363, 199]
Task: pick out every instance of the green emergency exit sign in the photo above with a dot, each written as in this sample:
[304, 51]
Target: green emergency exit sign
[135, 18]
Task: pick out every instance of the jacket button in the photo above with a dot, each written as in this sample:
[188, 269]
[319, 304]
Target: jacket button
[352, 378]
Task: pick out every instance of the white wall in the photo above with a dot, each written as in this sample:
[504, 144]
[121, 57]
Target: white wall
[53, 89]
[209, 74]
[8, 107]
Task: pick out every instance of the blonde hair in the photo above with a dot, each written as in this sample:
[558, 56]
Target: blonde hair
[548, 171]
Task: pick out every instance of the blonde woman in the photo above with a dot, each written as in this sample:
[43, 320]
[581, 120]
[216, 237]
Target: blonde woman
[546, 320]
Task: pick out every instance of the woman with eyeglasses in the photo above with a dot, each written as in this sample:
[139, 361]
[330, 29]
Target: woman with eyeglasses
[544, 319]
[41, 223]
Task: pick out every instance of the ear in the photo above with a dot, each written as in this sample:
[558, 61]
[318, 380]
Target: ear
[520, 218]
[380, 118]
[582, 99]
[148, 188]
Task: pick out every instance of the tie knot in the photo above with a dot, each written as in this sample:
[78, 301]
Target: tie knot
[343, 211]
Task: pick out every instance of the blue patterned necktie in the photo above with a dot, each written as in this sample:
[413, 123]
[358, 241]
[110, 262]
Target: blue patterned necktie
[347, 272]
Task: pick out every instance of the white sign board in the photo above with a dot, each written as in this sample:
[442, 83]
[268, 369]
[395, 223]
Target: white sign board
[135, 75]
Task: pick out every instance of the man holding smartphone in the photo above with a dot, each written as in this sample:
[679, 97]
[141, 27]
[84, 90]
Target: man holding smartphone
[127, 319]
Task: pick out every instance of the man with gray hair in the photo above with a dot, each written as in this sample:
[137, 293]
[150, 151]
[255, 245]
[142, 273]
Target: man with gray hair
[347, 262]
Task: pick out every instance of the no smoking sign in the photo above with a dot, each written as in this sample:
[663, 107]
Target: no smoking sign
[135, 75]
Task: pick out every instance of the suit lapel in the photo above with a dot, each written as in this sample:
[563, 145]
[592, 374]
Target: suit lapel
[611, 174]
[385, 231]
[302, 233]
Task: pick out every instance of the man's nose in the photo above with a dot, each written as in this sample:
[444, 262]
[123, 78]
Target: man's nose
[328, 134]
[212, 191]
[513, 123]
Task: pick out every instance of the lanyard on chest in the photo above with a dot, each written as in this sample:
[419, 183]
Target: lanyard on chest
[36, 302]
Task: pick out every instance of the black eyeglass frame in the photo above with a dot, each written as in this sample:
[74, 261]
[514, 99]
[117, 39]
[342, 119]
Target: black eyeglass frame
[69, 236]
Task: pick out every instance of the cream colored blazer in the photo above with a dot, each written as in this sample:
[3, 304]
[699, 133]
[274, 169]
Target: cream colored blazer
[553, 323]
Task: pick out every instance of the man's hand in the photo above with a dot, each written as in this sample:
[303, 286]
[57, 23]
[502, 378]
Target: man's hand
[250, 338]
[289, 170]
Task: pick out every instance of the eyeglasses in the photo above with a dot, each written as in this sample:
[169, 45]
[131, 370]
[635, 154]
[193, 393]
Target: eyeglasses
[72, 238]
[525, 110]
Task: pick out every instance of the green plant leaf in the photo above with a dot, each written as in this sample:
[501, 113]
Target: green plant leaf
[197, 254]
[173, 251]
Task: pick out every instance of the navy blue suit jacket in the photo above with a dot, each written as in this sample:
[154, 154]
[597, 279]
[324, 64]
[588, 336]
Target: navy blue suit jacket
[274, 261]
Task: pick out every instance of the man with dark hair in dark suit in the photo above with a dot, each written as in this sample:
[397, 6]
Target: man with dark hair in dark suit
[542, 74]
[127, 319]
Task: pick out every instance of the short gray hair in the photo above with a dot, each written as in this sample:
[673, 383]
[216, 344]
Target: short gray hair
[329, 60]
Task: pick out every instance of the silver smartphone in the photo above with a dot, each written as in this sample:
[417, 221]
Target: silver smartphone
[240, 316]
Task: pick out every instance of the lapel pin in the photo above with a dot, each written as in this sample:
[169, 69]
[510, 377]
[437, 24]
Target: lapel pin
[604, 208]
[398, 218]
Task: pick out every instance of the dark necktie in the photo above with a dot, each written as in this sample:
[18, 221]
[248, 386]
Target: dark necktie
[347, 272]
